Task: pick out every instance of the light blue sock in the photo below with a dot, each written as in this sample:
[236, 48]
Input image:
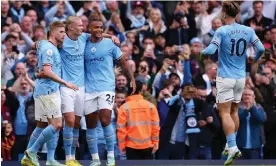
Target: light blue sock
[235, 134]
[45, 136]
[75, 141]
[51, 147]
[231, 140]
[109, 137]
[36, 133]
[67, 139]
[92, 140]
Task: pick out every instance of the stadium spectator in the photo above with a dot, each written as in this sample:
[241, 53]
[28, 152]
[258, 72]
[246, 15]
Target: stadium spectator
[115, 27]
[7, 18]
[121, 82]
[252, 118]
[258, 22]
[32, 14]
[31, 61]
[20, 68]
[216, 23]
[22, 89]
[9, 56]
[202, 18]
[85, 22]
[39, 33]
[155, 23]
[132, 65]
[7, 141]
[17, 10]
[59, 12]
[111, 7]
[9, 104]
[41, 8]
[126, 51]
[85, 10]
[267, 39]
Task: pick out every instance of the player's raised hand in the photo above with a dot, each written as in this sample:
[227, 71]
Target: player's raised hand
[71, 86]
[115, 40]
[117, 70]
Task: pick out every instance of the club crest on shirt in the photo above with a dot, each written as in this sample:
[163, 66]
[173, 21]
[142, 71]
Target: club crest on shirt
[50, 52]
[93, 50]
[77, 47]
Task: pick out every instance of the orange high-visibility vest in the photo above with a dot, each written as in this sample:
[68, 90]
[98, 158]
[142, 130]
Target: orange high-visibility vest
[137, 124]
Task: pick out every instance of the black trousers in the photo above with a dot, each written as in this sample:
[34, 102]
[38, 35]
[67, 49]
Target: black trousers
[139, 154]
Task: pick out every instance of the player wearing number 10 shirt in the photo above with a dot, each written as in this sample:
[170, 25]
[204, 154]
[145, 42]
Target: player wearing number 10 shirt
[232, 40]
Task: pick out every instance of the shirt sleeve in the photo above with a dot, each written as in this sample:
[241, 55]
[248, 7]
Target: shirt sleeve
[86, 36]
[47, 57]
[217, 37]
[254, 38]
[255, 41]
[117, 53]
[215, 43]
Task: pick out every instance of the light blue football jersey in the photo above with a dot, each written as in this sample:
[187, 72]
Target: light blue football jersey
[99, 67]
[232, 42]
[72, 57]
[47, 54]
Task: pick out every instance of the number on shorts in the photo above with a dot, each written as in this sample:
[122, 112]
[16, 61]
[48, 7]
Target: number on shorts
[109, 98]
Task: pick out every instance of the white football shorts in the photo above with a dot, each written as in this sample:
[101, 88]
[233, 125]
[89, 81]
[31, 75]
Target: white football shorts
[72, 101]
[229, 89]
[98, 100]
[48, 106]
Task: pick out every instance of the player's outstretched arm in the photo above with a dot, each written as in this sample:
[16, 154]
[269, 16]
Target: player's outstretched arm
[215, 43]
[34, 45]
[48, 73]
[210, 50]
[113, 38]
[128, 71]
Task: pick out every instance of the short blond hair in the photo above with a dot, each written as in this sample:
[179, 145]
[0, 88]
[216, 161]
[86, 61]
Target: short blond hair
[54, 26]
[69, 21]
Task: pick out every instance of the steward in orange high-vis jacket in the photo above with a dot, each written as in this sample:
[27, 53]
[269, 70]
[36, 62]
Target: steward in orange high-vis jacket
[138, 127]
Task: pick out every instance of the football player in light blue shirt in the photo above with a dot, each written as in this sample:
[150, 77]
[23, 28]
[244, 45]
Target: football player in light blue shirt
[100, 89]
[232, 40]
[72, 102]
[47, 97]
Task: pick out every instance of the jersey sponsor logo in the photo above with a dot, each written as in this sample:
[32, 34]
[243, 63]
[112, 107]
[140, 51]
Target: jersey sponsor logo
[78, 57]
[49, 52]
[94, 60]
